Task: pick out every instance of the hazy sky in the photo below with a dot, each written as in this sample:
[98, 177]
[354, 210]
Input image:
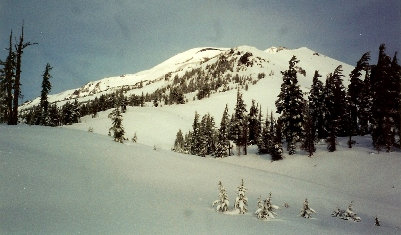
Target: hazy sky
[87, 40]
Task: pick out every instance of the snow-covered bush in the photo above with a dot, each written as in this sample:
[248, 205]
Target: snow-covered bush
[241, 202]
[306, 210]
[347, 214]
[266, 210]
[222, 203]
[377, 221]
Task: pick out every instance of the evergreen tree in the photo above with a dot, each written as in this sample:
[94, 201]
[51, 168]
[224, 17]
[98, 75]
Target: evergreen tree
[265, 138]
[54, 116]
[335, 104]
[290, 104]
[266, 209]
[365, 110]
[196, 136]
[254, 124]
[277, 146]
[384, 97]
[355, 92]
[309, 133]
[44, 103]
[241, 202]
[237, 123]
[117, 127]
[316, 106]
[222, 203]
[396, 93]
[223, 143]
[179, 142]
[306, 210]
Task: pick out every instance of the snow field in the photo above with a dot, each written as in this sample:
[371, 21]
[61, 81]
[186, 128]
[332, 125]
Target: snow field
[56, 180]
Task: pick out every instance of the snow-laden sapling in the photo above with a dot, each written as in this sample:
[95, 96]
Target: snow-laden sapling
[306, 210]
[347, 214]
[241, 202]
[266, 210]
[222, 203]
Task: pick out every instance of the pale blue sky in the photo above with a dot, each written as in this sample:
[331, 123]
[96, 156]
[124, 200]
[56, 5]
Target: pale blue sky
[87, 40]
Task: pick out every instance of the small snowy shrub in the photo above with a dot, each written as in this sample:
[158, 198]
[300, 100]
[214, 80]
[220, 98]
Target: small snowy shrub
[347, 214]
[90, 129]
[241, 202]
[306, 210]
[377, 221]
[222, 203]
[266, 210]
[134, 139]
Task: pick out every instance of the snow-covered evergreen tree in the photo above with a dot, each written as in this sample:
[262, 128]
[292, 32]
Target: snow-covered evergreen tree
[222, 203]
[306, 211]
[179, 142]
[237, 123]
[290, 104]
[347, 214]
[196, 135]
[241, 202]
[223, 143]
[117, 127]
[266, 209]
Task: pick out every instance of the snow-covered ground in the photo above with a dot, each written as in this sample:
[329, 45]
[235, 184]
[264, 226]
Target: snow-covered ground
[64, 181]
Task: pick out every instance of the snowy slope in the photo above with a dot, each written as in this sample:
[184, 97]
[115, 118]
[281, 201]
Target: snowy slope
[61, 181]
[270, 62]
[168, 119]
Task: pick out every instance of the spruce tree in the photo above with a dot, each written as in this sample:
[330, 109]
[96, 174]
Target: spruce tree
[254, 124]
[44, 103]
[238, 123]
[196, 136]
[306, 211]
[354, 94]
[290, 104]
[223, 202]
[335, 105]
[365, 109]
[117, 127]
[316, 106]
[241, 202]
[384, 97]
[179, 142]
[309, 133]
[223, 143]
[265, 137]
[277, 145]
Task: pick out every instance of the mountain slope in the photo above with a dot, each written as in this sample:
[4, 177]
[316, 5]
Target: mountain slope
[244, 61]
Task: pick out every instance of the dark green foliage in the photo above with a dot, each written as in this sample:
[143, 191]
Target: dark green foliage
[179, 142]
[223, 143]
[44, 103]
[254, 124]
[308, 143]
[290, 104]
[385, 80]
[239, 128]
[316, 107]
[117, 127]
[354, 95]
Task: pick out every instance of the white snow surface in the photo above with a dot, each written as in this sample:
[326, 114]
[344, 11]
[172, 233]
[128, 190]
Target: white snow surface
[64, 181]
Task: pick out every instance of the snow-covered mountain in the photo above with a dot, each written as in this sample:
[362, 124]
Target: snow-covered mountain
[253, 65]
